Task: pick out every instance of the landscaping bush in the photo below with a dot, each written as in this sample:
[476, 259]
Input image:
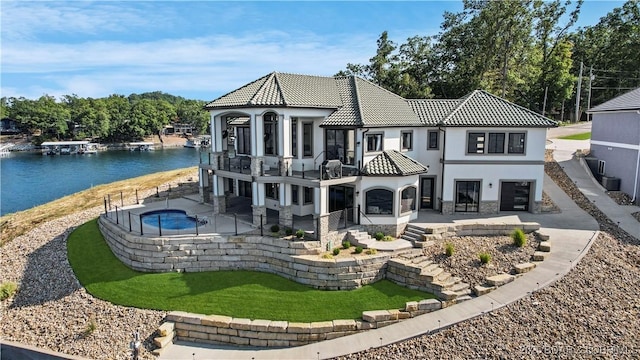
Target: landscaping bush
[519, 238]
[300, 234]
[379, 235]
[346, 244]
[371, 251]
[327, 256]
[449, 249]
[92, 325]
[358, 249]
[7, 289]
[288, 231]
[336, 251]
[388, 238]
[485, 257]
[275, 228]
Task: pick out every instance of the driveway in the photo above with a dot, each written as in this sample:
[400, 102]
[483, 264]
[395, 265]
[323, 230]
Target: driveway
[579, 128]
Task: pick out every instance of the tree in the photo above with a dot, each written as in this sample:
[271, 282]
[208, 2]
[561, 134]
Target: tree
[192, 112]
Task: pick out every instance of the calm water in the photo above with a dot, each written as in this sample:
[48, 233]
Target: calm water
[30, 179]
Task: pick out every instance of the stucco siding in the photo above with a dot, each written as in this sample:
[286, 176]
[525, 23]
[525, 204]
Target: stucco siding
[620, 163]
[456, 144]
[618, 127]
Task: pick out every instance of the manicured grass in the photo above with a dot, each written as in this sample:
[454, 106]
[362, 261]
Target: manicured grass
[581, 136]
[243, 294]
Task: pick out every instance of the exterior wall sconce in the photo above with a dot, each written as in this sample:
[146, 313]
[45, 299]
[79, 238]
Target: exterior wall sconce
[490, 185]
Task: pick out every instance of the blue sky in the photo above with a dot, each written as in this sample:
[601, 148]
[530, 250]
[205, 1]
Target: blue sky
[199, 50]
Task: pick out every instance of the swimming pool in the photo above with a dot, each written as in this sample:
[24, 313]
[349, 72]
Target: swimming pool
[170, 219]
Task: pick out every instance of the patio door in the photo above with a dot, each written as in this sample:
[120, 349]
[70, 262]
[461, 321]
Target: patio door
[340, 198]
[427, 186]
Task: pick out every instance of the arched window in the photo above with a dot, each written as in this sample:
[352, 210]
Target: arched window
[408, 199]
[270, 133]
[379, 202]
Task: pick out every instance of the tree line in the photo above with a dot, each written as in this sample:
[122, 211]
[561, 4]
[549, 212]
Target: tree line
[112, 119]
[521, 50]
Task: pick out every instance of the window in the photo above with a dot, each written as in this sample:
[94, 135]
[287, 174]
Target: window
[496, 143]
[432, 142]
[339, 145]
[408, 199]
[406, 140]
[294, 194]
[308, 195]
[243, 145]
[307, 139]
[601, 167]
[272, 191]
[374, 142]
[270, 134]
[467, 196]
[294, 137]
[475, 144]
[516, 143]
[379, 202]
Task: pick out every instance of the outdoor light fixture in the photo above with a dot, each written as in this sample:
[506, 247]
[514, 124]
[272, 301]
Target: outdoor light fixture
[490, 185]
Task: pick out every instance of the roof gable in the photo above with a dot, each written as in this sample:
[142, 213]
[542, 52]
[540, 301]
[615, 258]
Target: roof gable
[393, 163]
[626, 101]
[481, 108]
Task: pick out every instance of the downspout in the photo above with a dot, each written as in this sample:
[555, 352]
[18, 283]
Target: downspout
[635, 183]
[362, 147]
[444, 143]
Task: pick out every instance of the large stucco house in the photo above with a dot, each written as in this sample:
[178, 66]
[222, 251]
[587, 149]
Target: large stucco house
[615, 141]
[314, 146]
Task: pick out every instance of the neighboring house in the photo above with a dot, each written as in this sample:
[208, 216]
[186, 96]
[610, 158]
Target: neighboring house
[315, 146]
[9, 127]
[615, 141]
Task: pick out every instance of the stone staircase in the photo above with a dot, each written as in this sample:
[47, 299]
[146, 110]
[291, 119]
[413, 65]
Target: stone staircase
[416, 235]
[417, 271]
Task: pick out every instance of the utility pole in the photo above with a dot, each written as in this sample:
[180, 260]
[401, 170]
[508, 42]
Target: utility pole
[589, 97]
[544, 103]
[578, 94]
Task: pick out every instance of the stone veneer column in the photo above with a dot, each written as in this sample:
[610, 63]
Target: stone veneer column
[256, 166]
[219, 204]
[286, 216]
[537, 207]
[488, 207]
[447, 207]
[323, 231]
[257, 211]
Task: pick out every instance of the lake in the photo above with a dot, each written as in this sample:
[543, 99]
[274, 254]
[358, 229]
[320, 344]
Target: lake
[31, 179]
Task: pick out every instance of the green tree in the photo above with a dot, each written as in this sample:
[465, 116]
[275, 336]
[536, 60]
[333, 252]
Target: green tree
[192, 112]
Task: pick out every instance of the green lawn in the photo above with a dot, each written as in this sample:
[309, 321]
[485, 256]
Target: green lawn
[243, 294]
[581, 136]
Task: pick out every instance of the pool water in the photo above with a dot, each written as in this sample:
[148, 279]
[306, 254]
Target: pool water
[169, 219]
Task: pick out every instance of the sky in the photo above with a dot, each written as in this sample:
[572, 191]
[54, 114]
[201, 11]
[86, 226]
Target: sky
[200, 49]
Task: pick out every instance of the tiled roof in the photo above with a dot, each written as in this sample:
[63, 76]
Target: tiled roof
[393, 163]
[432, 111]
[349, 113]
[280, 90]
[483, 109]
[380, 107]
[626, 101]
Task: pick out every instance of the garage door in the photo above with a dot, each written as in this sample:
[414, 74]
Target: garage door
[514, 196]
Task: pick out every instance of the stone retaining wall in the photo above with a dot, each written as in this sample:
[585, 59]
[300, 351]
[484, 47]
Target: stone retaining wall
[476, 229]
[295, 260]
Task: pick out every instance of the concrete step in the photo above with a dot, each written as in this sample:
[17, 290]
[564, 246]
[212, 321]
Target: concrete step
[460, 287]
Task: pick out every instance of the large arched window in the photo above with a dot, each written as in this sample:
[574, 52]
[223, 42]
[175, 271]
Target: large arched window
[270, 133]
[408, 199]
[379, 202]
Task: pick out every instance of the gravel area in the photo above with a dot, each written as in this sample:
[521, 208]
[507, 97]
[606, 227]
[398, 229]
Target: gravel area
[620, 197]
[592, 312]
[466, 264]
[52, 310]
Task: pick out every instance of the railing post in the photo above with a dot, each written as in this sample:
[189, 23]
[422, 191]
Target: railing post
[159, 226]
[117, 219]
[261, 226]
[197, 225]
[345, 218]
[109, 200]
[137, 201]
[235, 220]
[121, 200]
[359, 214]
[106, 212]
[157, 192]
[140, 218]
[129, 220]
[303, 170]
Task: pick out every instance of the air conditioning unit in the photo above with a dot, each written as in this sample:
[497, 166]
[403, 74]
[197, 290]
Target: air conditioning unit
[332, 169]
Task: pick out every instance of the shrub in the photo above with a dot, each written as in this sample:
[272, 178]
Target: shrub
[288, 231]
[300, 234]
[275, 228]
[346, 244]
[336, 251]
[358, 249]
[7, 289]
[519, 238]
[388, 238]
[371, 251]
[327, 256]
[485, 257]
[379, 236]
[91, 327]
[449, 249]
